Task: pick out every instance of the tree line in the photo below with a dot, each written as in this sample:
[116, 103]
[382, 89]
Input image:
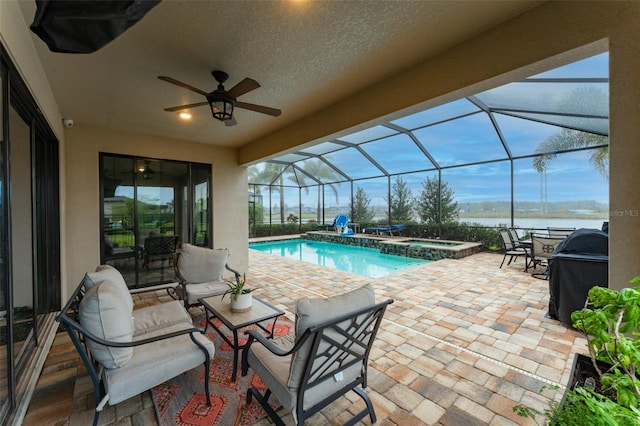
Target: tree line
[434, 203]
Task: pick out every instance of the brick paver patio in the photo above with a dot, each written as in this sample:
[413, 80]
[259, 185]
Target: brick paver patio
[463, 343]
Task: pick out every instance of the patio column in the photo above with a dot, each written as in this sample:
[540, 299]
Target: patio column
[624, 156]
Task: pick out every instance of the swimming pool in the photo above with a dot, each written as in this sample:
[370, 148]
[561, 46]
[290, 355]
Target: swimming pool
[359, 260]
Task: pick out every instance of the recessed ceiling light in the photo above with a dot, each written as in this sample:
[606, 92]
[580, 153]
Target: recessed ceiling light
[185, 116]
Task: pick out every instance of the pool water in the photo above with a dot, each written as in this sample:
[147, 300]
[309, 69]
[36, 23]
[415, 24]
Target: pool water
[358, 260]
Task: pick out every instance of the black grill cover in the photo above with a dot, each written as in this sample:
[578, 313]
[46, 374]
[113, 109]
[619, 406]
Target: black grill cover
[580, 262]
[84, 26]
[585, 241]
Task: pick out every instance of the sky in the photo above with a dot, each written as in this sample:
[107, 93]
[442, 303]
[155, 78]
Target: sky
[472, 137]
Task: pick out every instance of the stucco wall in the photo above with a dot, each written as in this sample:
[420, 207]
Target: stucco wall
[83, 145]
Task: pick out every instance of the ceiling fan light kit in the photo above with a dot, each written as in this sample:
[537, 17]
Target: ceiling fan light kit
[146, 171]
[221, 101]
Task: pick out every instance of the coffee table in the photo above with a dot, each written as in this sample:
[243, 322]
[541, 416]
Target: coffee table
[261, 311]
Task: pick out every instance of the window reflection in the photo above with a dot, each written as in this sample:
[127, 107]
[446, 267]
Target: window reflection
[149, 208]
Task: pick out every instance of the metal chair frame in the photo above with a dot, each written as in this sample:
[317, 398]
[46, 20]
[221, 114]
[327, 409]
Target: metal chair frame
[160, 248]
[513, 251]
[542, 248]
[328, 358]
[560, 232]
[179, 292]
[68, 317]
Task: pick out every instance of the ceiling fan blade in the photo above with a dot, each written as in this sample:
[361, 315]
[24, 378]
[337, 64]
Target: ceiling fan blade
[259, 108]
[245, 86]
[181, 107]
[181, 84]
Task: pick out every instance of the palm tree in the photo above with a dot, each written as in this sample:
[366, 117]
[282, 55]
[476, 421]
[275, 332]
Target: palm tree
[590, 100]
[321, 172]
[267, 174]
[567, 139]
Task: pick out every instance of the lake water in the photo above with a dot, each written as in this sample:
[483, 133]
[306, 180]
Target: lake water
[530, 223]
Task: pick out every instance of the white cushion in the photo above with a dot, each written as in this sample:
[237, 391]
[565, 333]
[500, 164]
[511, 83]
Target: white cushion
[201, 264]
[207, 289]
[155, 317]
[156, 362]
[310, 312]
[104, 314]
[108, 272]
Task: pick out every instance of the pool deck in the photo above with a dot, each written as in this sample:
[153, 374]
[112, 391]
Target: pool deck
[463, 343]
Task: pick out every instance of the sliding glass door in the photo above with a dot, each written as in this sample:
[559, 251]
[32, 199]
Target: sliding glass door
[22, 241]
[149, 208]
[5, 390]
[29, 234]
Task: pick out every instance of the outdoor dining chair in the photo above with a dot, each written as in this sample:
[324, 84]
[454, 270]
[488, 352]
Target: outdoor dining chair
[515, 238]
[325, 359]
[542, 248]
[560, 232]
[512, 251]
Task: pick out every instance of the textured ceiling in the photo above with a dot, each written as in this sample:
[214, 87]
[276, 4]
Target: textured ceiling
[305, 54]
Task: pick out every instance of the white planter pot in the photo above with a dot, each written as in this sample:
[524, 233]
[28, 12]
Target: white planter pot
[242, 304]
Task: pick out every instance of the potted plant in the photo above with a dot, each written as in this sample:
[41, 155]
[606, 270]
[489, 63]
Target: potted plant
[581, 407]
[603, 388]
[241, 297]
[610, 321]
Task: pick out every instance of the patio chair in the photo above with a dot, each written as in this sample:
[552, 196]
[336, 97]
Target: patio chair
[515, 238]
[326, 359]
[199, 271]
[542, 248]
[379, 230]
[128, 351]
[158, 248]
[512, 251]
[560, 232]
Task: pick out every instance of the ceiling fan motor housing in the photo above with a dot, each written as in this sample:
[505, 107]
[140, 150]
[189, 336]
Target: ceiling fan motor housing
[220, 76]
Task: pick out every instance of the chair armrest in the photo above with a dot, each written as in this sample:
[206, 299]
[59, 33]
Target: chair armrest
[236, 273]
[81, 330]
[257, 336]
[176, 270]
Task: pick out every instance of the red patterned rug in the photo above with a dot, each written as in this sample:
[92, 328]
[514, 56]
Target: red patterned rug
[181, 400]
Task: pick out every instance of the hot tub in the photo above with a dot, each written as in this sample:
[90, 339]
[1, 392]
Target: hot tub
[417, 248]
[430, 249]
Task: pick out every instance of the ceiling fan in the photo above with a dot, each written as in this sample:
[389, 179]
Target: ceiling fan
[147, 172]
[223, 101]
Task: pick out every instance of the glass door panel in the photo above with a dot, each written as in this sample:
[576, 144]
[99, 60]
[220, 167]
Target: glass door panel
[159, 184]
[22, 243]
[201, 200]
[5, 400]
[147, 215]
[119, 248]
